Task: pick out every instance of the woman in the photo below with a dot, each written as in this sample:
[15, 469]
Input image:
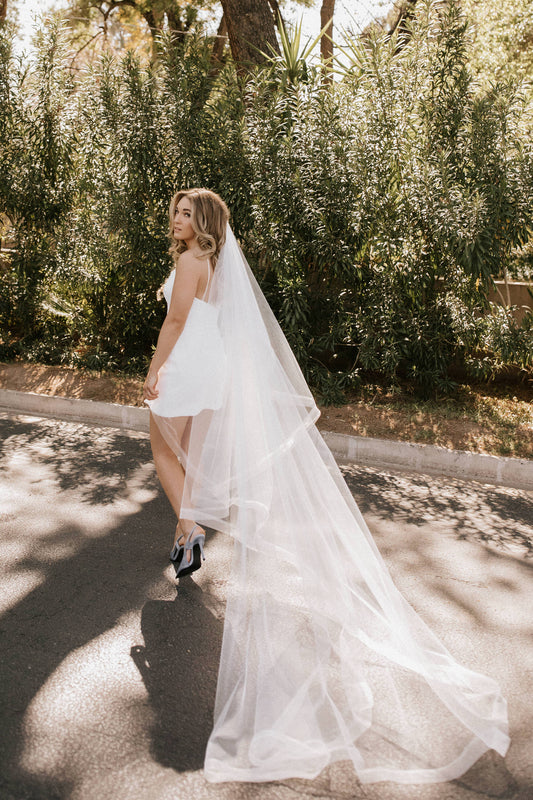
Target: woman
[322, 658]
[188, 349]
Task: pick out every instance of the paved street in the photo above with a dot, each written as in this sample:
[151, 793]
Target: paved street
[108, 675]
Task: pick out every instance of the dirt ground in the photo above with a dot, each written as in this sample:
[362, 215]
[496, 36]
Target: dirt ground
[499, 436]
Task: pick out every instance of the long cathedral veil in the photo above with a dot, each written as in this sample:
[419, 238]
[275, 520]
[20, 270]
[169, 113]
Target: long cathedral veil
[322, 658]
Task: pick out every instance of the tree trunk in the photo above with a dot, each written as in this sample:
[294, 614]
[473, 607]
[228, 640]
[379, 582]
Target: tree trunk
[404, 14]
[174, 21]
[326, 15]
[274, 5]
[3, 9]
[220, 42]
[251, 30]
[326, 42]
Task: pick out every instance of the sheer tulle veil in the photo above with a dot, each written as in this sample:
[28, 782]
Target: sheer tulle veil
[322, 658]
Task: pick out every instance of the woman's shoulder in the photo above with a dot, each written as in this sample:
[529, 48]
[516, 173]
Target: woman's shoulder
[190, 261]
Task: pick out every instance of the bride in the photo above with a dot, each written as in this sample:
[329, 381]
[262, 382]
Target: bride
[322, 658]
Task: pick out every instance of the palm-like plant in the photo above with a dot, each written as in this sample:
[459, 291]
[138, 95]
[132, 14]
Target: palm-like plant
[292, 63]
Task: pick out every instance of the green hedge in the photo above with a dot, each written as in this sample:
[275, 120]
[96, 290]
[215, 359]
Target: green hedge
[351, 199]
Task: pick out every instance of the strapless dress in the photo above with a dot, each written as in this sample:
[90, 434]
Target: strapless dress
[193, 376]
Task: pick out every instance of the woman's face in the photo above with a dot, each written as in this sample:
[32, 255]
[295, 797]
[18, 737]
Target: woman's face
[183, 229]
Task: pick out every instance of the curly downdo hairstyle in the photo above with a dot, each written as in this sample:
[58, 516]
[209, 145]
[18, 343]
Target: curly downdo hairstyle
[209, 219]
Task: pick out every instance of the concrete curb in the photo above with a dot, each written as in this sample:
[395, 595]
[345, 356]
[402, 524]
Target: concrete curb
[112, 415]
[381, 453]
[432, 460]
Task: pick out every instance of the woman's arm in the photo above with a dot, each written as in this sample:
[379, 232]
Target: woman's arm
[183, 294]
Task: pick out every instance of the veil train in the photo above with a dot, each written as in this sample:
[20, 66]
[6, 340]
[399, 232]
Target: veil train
[322, 658]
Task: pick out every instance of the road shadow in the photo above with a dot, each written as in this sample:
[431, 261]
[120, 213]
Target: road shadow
[94, 462]
[179, 666]
[87, 579]
[497, 516]
[96, 580]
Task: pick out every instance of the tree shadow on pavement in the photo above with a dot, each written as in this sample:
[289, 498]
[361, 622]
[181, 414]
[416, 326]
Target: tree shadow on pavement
[86, 578]
[412, 515]
[474, 597]
[88, 581]
[93, 461]
[81, 597]
[495, 515]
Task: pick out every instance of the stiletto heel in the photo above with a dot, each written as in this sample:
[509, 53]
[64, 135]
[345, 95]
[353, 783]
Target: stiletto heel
[196, 548]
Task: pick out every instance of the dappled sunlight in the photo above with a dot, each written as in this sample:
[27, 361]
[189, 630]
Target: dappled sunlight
[80, 458]
[500, 517]
[38, 465]
[460, 554]
[66, 729]
[81, 554]
[108, 678]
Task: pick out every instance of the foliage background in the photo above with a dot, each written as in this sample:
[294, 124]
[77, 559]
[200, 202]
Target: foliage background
[376, 209]
[502, 41]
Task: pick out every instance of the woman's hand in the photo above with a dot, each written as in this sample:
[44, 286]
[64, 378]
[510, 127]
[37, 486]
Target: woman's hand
[150, 387]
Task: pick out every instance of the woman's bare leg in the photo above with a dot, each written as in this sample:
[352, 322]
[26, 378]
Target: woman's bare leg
[168, 468]
[170, 471]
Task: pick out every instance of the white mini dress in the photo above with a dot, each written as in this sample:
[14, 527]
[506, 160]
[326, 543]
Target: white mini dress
[193, 376]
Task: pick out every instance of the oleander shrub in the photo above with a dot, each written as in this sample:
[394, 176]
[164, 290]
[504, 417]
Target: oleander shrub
[375, 209]
[142, 133]
[372, 192]
[37, 183]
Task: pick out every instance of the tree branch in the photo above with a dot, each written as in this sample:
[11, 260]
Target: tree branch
[98, 33]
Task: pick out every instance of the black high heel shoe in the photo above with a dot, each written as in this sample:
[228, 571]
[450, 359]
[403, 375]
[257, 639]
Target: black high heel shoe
[196, 548]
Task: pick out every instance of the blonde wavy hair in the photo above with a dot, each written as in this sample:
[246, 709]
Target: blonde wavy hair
[209, 218]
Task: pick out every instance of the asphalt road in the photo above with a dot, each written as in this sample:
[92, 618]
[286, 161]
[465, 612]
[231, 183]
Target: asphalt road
[108, 675]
